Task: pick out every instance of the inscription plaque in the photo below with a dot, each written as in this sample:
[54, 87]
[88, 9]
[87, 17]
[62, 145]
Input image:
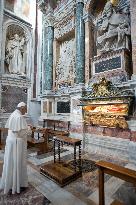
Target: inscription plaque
[63, 107]
[108, 64]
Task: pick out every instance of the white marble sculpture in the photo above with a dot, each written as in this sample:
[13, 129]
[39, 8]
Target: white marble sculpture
[113, 28]
[15, 54]
[66, 64]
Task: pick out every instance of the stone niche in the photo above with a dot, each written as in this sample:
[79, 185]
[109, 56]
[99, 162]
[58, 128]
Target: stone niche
[16, 64]
[65, 64]
[16, 51]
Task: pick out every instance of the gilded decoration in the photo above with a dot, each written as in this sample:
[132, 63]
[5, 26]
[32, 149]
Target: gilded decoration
[107, 105]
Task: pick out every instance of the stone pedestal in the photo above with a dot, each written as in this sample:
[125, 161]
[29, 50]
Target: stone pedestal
[115, 60]
[64, 105]
[115, 65]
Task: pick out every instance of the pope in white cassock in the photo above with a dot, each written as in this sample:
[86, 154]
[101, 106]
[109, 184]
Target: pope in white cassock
[14, 175]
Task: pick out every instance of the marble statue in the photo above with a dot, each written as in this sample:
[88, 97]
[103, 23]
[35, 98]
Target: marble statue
[113, 28]
[15, 55]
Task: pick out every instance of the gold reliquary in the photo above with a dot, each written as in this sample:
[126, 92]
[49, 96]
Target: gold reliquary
[106, 105]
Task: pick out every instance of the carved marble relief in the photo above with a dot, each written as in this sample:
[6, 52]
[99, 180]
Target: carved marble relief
[45, 107]
[15, 50]
[113, 26]
[64, 27]
[65, 68]
[50, 107]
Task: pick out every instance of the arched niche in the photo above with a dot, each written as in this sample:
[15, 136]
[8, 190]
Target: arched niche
[96, 6]
[108, 19]
[11, 28]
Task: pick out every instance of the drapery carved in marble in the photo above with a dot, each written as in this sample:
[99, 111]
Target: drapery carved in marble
[113, 27]
[15, 52]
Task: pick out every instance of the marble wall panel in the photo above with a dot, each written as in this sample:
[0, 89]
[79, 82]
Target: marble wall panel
[11, 96]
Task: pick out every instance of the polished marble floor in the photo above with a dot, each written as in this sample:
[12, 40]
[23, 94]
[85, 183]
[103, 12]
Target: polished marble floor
[84, 190]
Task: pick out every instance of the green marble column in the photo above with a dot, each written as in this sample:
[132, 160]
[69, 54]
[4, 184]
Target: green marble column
[48, 58]
[80, 44]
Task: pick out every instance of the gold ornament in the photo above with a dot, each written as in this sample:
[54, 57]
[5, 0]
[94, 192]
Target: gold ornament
[114, 2]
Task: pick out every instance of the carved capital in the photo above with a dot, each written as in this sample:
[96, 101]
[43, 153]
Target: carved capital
[48, 20]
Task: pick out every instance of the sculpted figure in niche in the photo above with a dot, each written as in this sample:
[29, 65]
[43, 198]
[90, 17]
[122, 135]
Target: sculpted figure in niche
[113, 28]
[15, 55]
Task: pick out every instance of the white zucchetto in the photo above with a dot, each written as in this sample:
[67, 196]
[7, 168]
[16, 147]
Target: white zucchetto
[21, 104]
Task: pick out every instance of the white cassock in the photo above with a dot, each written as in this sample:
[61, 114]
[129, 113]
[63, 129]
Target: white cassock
[14, 173]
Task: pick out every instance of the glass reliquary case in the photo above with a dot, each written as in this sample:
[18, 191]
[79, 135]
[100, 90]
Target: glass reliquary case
[106, 105]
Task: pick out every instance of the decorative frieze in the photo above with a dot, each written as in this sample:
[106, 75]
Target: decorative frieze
[64, 27]
[64, 11]
[64, 19]
[15, 80]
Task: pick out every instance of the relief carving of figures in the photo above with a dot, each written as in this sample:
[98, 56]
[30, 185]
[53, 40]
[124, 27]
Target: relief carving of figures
[65, 68]
[113, 27]
[15, 54]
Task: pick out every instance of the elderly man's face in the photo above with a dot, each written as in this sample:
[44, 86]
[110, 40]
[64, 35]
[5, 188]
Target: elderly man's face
[23, 110]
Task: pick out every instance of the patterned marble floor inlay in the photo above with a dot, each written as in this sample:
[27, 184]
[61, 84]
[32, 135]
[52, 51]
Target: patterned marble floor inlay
[86, 165]
[43, 158]
[130, 194]
[29, 197]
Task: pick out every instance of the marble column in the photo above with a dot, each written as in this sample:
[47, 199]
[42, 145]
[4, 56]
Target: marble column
[48, 38]
[89, 45]
[80, 43]
[1, 23]
[48, 56]
[56, 55]
[133, 33]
